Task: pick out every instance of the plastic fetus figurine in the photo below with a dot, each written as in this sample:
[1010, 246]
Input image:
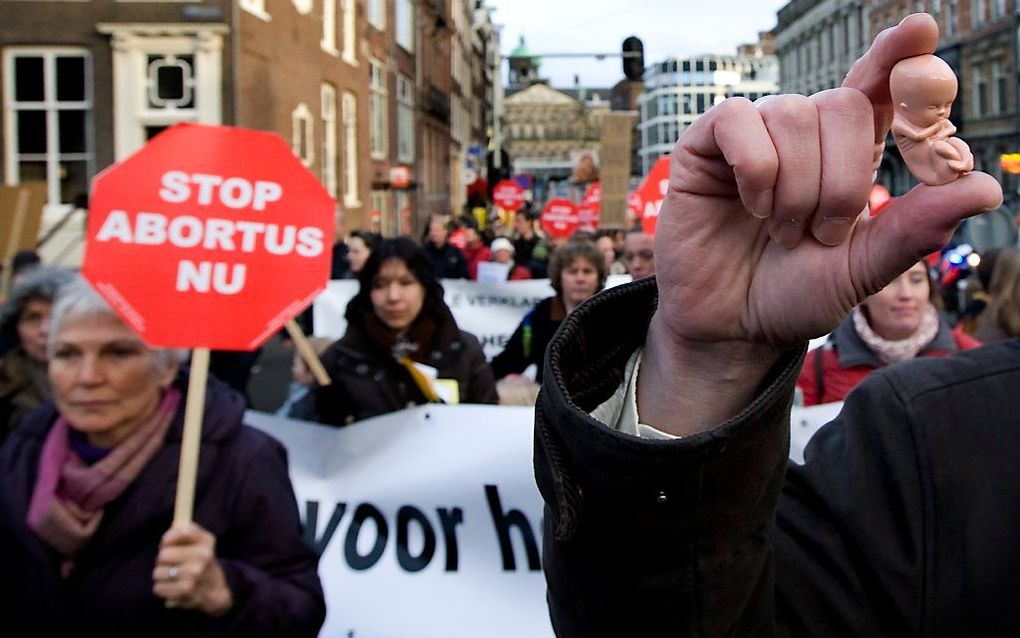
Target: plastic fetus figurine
[923, 89]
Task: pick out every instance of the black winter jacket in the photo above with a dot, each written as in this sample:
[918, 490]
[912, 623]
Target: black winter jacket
[448, 262]
[243, 497]
[367, 382]
[902, 522]
[530, 339]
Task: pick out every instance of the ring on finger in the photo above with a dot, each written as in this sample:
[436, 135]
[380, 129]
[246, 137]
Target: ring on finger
[173, 573]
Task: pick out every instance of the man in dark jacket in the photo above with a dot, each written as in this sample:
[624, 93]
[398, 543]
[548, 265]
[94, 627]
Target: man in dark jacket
[663, 426]
[447, 260]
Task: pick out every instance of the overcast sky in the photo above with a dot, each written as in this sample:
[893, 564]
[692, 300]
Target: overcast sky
[667, 28]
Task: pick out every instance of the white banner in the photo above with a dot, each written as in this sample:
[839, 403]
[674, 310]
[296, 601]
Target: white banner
[429, 522]
[804, 422]
[489, 311]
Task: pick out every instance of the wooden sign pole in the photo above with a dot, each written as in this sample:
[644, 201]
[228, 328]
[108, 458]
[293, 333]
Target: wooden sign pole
[308, 353]
[193, 413]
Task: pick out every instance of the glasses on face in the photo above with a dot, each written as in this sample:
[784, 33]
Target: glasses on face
[647, 255]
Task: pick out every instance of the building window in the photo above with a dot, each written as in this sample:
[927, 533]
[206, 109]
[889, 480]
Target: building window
[350, 122]
[980, 93]
[380, 209]
[160, 80]
[998, 9]
[329, 27]
[1000, 95]
[376, 13]
[48, 116]
[951, 13]
[405, 120]
[302, 134]
[377, 111]
[404, 211]
[405, 24]
[350, 49]
[170, 81]
[977, 13]
[255, 7]
[329, 139]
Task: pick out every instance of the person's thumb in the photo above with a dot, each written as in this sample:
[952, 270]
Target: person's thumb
[914, 225]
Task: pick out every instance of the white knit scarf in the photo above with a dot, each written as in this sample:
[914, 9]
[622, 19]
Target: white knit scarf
[902, 349]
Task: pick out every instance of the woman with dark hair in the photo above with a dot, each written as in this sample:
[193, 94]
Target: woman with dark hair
[402, 346]
[25, 319]
[359, 248]
[577, 271]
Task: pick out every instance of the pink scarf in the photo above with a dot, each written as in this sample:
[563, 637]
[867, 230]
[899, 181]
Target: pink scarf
[69, 496]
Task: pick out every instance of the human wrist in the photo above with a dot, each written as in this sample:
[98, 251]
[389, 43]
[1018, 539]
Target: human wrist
[220, 599]
[686, 387]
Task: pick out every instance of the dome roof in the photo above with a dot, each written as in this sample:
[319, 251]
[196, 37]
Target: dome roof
[522, 51]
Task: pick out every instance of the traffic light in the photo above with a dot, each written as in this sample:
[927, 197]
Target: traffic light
[633, 58]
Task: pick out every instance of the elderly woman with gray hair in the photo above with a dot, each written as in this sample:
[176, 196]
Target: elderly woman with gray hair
[88, 493]
[25, 320]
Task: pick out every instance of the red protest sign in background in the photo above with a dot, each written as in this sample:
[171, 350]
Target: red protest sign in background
[209, 237]
[508, 194]
[589, 212]
[559, 217]
[650, 195]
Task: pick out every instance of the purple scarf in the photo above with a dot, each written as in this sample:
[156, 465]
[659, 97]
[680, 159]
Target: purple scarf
[69, 496]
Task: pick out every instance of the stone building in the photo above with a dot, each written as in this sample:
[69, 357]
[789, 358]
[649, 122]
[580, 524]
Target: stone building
[816, 42]
[547, 130]
[978, 38]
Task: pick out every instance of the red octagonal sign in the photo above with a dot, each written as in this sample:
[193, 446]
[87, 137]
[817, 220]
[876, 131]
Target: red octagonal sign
[209, 237]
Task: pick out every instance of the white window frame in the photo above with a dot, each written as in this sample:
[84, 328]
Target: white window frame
[349, 115]
[377, 116]
[405, 119]
[256, 8]
[302, 137]
[404, 24]
[303, 7]
[349, 53]
[328, 42]
[132, 43]
[329, 138]
[375, 12]
[52, 107]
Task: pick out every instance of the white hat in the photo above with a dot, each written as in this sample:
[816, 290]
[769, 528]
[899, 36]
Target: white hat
[501, 243]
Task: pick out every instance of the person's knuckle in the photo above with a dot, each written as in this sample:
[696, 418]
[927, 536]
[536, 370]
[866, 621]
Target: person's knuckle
[792, 107]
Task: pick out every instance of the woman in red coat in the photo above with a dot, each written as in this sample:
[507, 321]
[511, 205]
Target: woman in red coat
[895, 324]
